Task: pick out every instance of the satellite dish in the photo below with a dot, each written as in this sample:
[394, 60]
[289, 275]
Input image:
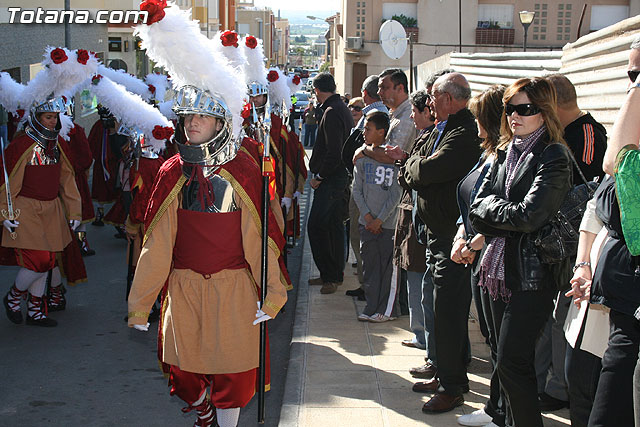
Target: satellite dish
[393, 39]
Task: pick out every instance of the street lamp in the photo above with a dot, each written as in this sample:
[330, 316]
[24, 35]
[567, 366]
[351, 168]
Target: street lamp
[526, 18]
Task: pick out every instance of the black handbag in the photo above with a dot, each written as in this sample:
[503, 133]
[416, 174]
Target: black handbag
[558, 240]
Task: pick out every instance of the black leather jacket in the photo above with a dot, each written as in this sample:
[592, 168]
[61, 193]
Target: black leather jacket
[539, 187]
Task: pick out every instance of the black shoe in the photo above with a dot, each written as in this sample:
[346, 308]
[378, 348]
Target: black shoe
[45, 321]
[14, 316]
[87, 252]
[98, 222]
[355, 292]
[549, 403]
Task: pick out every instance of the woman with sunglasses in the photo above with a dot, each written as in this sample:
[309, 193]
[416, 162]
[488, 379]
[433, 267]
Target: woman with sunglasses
[355, 107]
[522, 192]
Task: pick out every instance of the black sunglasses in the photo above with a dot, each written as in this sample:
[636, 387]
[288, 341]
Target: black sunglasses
[355, 108]
[521, 109]
[633, 75]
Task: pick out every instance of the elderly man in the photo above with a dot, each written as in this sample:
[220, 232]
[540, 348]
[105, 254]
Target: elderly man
[434, 172]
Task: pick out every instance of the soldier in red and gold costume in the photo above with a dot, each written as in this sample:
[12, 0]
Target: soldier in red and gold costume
[43, 186]
[105, 163]
[203, 234]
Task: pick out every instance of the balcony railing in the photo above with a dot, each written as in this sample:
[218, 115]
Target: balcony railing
[494, 35]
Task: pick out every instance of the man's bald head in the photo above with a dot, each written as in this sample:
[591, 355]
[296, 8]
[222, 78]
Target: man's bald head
[454, 84]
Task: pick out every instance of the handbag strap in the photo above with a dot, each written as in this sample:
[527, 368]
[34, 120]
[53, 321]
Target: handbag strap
[575, 163]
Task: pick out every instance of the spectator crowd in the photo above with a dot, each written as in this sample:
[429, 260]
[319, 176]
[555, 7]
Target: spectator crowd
[514, 199]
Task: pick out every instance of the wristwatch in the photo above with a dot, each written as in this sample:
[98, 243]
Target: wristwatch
[469, 248]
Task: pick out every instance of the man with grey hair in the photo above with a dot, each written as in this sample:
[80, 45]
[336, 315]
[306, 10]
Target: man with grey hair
[371, 98]
[615, 282]
[434, 172]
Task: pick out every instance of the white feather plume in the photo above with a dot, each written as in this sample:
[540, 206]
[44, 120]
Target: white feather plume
[131, 83]
[10, 93]
[160, 82]
[255, 70]
[165, 109]
[57, 79]
[279, 91]
[67, 125]
[235, 55]
[292, 86]
[177, 44]
[131, 110]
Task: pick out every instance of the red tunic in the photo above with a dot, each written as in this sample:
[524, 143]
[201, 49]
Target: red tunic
[104, 165]
[81, 159]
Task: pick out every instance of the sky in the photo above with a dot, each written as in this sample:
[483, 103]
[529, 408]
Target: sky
[296, 5]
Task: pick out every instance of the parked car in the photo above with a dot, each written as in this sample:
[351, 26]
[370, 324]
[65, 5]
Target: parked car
[301, 104]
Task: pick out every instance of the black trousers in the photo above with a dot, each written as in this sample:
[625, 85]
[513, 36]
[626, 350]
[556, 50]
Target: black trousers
[613, 404]
[583, 371]
[326, 227]
[525, 315]
[493, 312]
[452, 299]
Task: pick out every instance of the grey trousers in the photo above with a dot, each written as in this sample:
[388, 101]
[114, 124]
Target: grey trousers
[377, 266]
[354, 235]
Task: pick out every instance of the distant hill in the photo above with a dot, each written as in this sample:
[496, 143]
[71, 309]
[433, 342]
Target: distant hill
[300, 17]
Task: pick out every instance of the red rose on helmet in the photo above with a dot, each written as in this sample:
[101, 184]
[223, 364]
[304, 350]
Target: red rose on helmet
[158, 132]
[246, 111]
[251, 42]
[273, 76]
[168, 132]
[152, 89]
[296, 79]
[96, 79]
[229, 38]
[155, 10]
[83, 56]
[58, 56]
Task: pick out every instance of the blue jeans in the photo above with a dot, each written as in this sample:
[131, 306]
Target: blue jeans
[310, 135]
[4, 134]
[416, 313]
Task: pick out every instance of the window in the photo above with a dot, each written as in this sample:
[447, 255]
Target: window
[543, 29]
[358, 26]
[569, 5]
[543, 37]
[567, 22]
[535, 29]
[567, 29]
[559, 37]
[567, 15]
[544, 6]
[496, 14]
[559, 29]
[363, 26]
[560, 14]
[535, 37]
[536, 22]
[358, 11]
[561, 6]
[566, 37]
[537, 6]
[358, 4]
[544, 13]
[559, 21]
[544, 22]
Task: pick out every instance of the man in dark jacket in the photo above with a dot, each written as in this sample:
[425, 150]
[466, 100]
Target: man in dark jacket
[434, 172]
[330, 181]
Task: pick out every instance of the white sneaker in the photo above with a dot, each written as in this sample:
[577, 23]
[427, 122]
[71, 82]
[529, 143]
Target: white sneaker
[363, 317]
[477, 418]
[379, 318]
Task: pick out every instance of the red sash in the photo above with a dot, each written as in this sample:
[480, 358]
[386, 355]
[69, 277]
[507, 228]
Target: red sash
[208, 242]
[41, 182]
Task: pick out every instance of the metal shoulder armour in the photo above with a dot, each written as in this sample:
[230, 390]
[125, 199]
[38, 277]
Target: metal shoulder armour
[41, 156]
[222, 191]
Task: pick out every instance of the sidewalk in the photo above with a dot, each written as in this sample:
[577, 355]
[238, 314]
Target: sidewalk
[343, 372]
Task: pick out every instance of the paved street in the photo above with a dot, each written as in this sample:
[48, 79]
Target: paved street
[92, 370]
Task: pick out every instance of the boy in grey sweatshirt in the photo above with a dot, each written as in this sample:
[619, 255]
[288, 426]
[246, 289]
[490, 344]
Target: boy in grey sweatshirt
[377, 193]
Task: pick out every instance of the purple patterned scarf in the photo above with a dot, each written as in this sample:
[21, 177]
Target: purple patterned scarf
[492, 264]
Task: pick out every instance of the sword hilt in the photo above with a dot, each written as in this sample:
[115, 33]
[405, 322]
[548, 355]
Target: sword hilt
[11, 216]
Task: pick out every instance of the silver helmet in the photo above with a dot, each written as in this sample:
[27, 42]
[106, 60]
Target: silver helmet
[58, 105]
[137, 144]
[223, 147]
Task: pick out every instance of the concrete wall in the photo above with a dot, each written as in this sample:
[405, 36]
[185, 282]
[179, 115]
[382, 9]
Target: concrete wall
[596, 64]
